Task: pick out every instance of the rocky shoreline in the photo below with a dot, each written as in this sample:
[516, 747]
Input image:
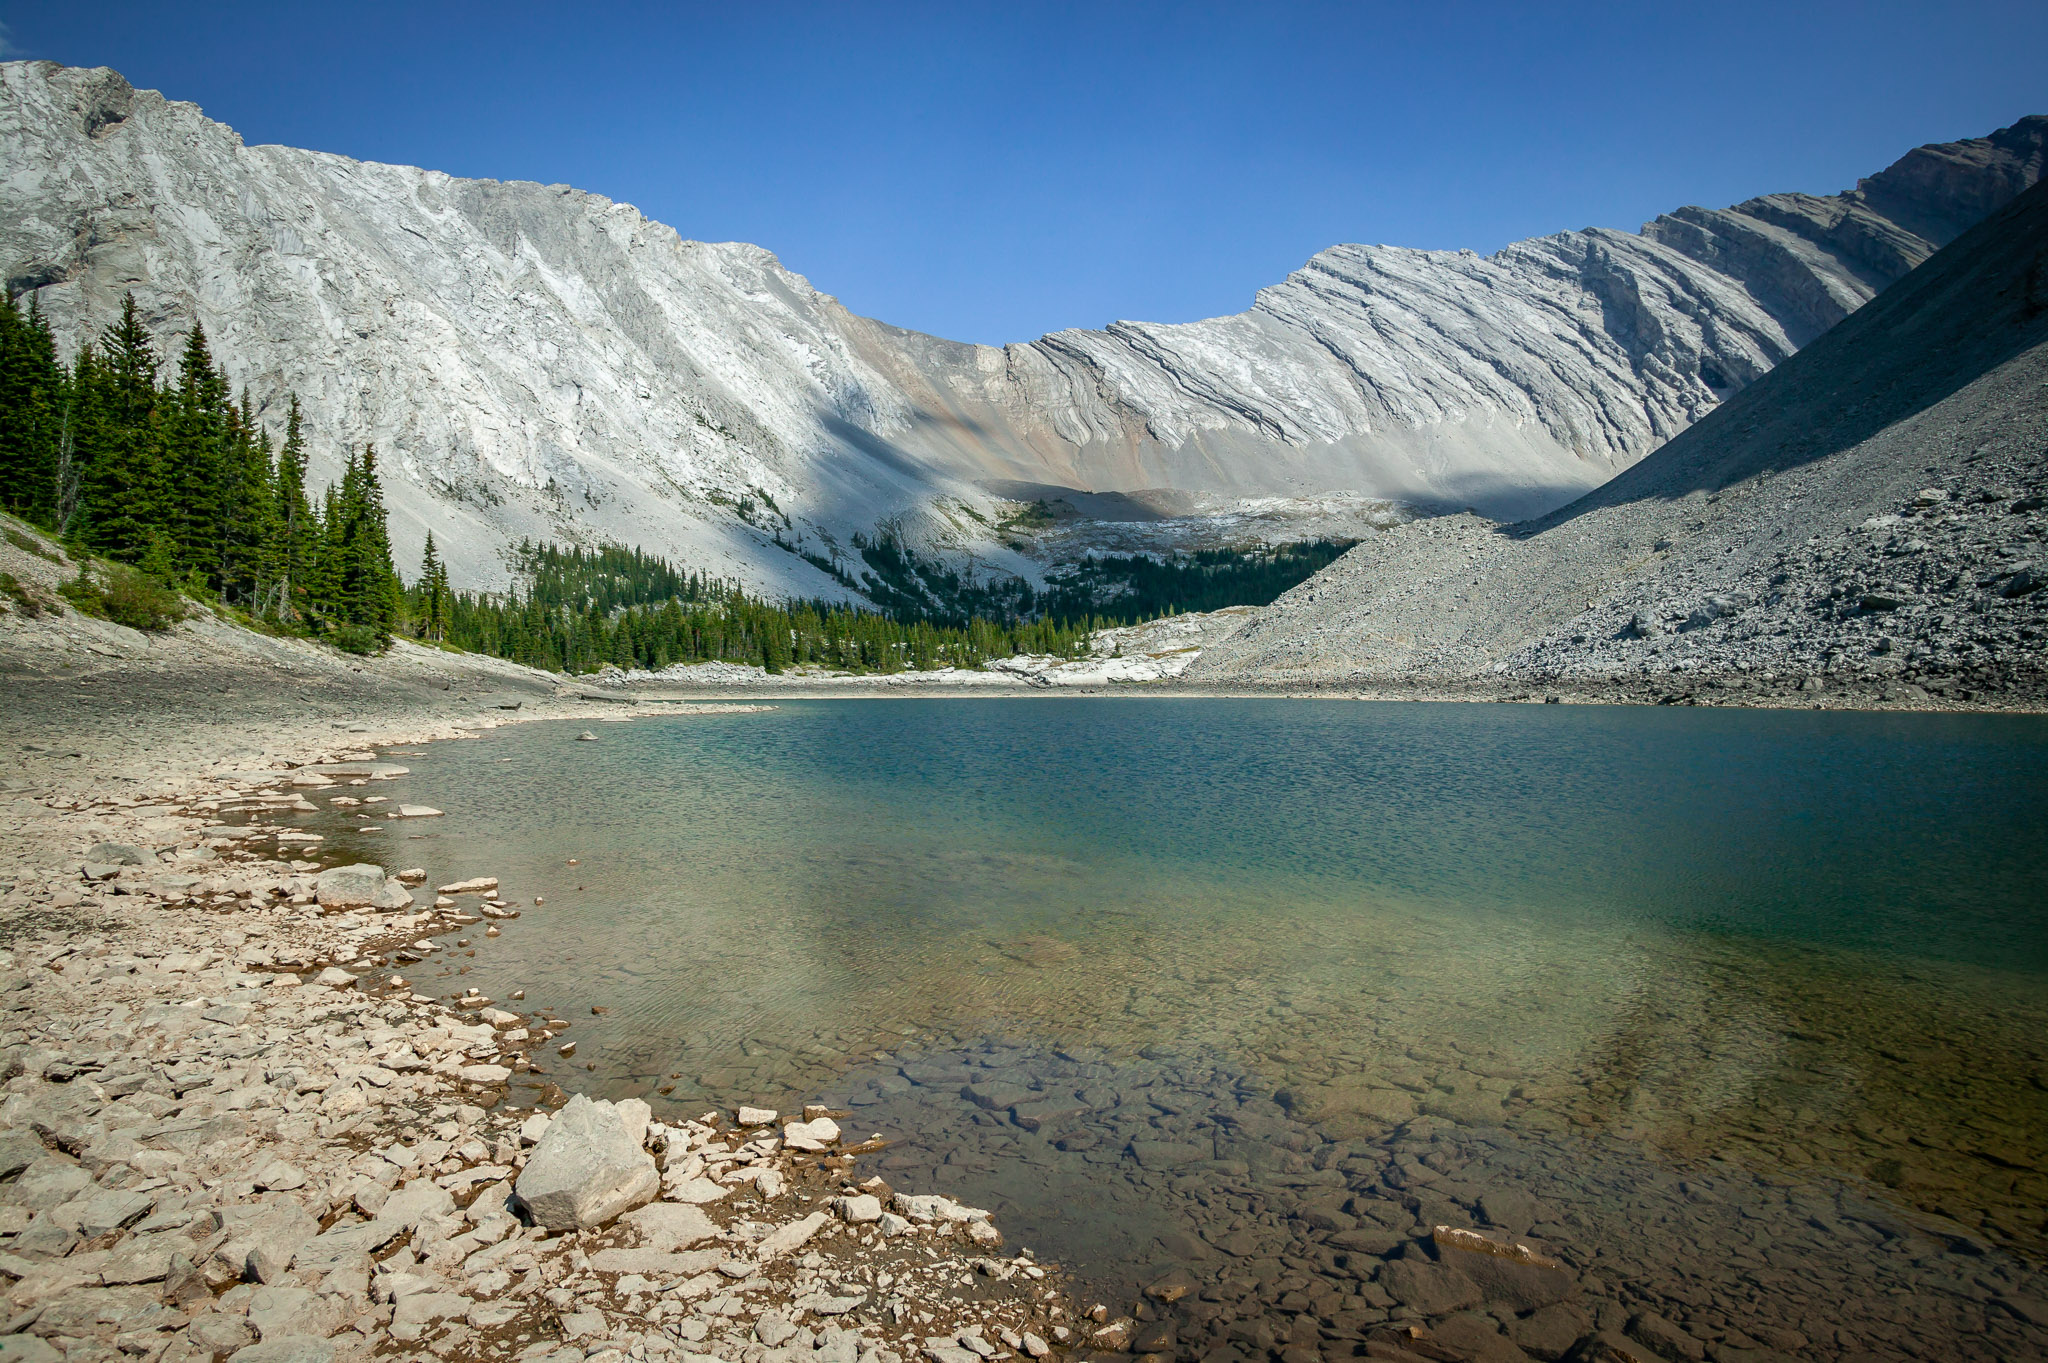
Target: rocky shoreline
[232, 1130]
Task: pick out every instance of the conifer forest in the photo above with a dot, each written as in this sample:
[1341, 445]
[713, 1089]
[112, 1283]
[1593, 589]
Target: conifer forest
[165, 474]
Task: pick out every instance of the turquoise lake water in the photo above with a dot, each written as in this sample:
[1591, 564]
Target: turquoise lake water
[1800, 945]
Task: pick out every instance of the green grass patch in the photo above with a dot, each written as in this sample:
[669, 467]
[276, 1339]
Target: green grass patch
[33, 545]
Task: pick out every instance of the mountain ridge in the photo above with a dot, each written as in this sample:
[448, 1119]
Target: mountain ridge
[1869, 514]
[538, 361]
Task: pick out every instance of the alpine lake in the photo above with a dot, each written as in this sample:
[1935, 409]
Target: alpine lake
[1741, 1016]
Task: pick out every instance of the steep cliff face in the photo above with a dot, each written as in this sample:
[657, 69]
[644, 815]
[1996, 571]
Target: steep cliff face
[534, 360]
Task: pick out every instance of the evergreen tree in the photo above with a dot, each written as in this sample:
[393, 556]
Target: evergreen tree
[366, 592]
[323, 592]
[115, 405]
[433, 594]
[32, 401]
[297, 528]
[197, 476]
[253, 537]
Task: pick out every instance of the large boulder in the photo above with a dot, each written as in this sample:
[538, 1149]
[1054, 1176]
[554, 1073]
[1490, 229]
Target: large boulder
[587, 1169]
[350, 887]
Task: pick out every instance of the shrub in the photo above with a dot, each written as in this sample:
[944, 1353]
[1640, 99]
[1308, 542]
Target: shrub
[126, 597]
[358, 639]
[139, 601]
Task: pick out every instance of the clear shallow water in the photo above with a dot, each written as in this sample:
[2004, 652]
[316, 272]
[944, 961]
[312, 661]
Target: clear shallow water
[1587, 950]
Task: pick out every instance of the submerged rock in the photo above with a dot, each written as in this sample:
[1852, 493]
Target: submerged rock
[1507, 1275]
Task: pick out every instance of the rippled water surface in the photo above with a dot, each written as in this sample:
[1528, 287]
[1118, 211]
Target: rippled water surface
[1282, 984]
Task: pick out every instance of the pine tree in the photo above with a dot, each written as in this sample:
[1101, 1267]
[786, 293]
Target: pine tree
[253, 537]
[115, 403]
[433, 594]
[198, 478]
[323, 590]
[367, 593]
[32, 400]
[297, 528]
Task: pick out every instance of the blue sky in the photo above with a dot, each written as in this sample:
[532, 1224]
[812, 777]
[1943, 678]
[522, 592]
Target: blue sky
[991, 172]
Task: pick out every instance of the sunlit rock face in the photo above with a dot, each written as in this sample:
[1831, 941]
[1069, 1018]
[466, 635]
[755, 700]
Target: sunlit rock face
[532, 360]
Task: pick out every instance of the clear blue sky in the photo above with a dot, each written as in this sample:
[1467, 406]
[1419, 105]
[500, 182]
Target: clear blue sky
[991, 172]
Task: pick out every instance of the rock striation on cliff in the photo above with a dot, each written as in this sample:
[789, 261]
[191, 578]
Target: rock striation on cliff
[534, 360]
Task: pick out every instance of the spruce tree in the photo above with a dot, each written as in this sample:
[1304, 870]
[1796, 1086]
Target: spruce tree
[116, 434]
[32, 401]
[296, 527]
[368, 592]
[253, 536]
[323, 590]
[197, 465]
[433, 594]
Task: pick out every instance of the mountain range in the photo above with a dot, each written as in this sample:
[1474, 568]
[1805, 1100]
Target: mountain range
[1869, 518]
[535, 360]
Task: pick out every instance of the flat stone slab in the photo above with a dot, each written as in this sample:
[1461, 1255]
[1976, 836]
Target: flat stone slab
[783, 1239]
[290, 1349]
[347, 887]
[657, 1263]
[671, 1225]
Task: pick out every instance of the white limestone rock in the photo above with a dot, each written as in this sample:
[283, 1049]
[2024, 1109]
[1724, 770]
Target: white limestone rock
[349, 887]
[858, 1209]
[587, 1168]
[819, 1134]
[670, 1225]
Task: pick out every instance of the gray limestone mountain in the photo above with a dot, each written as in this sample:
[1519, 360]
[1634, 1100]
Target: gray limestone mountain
[537, 361]
[1871, 516]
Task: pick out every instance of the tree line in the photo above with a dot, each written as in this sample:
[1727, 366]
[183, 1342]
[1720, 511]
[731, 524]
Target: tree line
[1207, 579]
[173, 474]
[584, 609]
